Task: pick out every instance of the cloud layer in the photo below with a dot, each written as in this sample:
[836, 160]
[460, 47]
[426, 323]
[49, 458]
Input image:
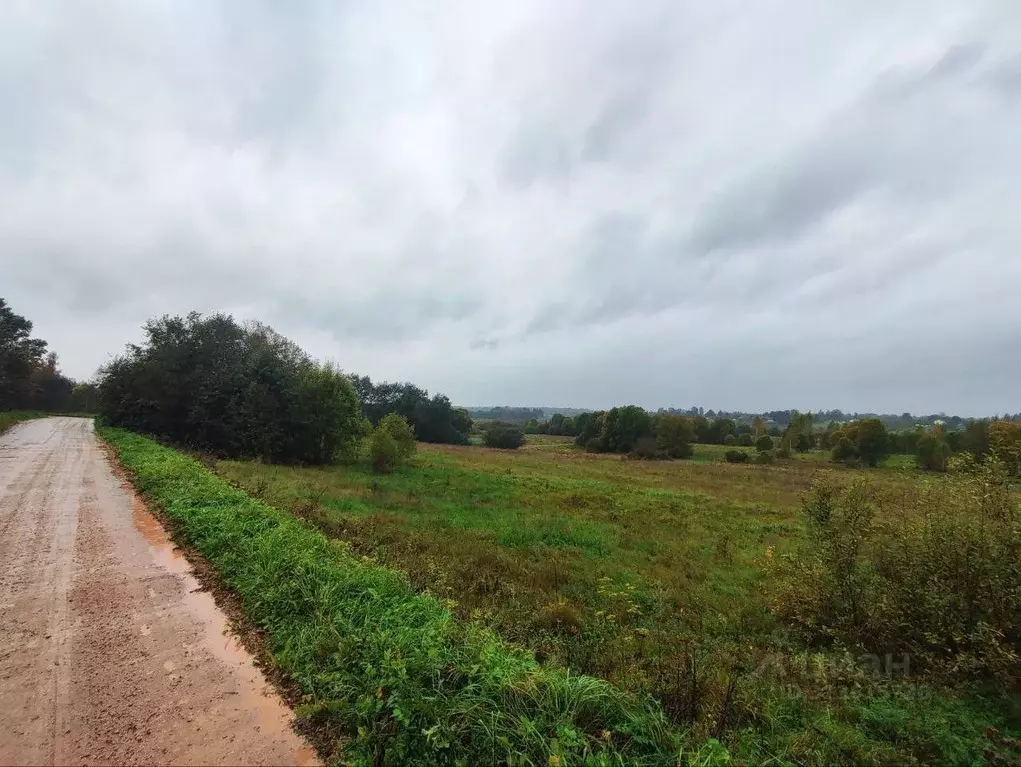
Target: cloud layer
[792, 204]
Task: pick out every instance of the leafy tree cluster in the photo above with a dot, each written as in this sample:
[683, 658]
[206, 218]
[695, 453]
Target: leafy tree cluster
[241, 391]
[30, 378]
[434, 419]
[866, 441]
[631, 429]
[557, 425]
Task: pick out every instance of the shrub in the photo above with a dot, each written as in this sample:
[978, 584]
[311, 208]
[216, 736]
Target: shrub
[765, 456]
[504, 436]
[764, 443]
[919, 583]
[784, 451]
[647, 449]
[803, 442]
[932, 453]
[391, 444]
[382, 451]
[736, 456]
[844, 451]
[730, 440]
[745, 440]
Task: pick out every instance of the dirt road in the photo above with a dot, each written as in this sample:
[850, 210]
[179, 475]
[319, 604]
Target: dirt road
[108, 654]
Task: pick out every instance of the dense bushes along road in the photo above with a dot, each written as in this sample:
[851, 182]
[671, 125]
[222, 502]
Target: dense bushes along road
[245, 391]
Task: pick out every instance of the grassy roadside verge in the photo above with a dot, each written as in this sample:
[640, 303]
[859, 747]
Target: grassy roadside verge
[388, 670]
[11, 417]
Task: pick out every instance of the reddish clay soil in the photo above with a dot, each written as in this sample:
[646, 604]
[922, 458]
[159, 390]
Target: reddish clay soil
[109, 651]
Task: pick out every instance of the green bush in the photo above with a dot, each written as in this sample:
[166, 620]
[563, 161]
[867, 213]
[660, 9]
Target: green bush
[504, 436]
[764, 443]
[736, 456]
[387, 671]
[844, 451]
[939, 580]
[932, 453]
[391, 444]
[765, 457]
[745, 440]
[730, 440]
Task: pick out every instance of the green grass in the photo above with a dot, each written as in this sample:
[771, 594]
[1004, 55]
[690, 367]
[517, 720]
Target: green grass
[389, 671]
[645, 574]
[10, 417]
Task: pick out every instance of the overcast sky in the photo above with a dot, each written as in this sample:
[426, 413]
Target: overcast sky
[663, 202]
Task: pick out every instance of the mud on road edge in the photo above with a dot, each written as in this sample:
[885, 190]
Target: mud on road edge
[325, 740]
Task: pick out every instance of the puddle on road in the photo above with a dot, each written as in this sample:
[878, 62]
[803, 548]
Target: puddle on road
[254, 693]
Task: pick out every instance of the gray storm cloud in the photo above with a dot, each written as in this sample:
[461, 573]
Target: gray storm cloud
[665, 203]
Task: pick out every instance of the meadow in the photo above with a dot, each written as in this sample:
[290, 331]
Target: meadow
[652, 575]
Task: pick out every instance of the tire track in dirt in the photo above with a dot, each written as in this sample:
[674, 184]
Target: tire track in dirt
[109, 652]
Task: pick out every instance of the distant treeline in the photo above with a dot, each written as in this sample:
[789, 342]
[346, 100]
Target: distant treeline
[635, 431]
[783, 418]
[30, 378]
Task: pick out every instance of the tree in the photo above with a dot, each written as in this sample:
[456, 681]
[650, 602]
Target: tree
[20, 356]
[1005, 444]
[975, 438]
[589, 427]
[872, 441]
[730, 440]
[433, 418]
[719, 430]
[800, 431]
[702, 428]
[758, 427]
[214, 385]
[624, 426]
[932, 452]
[504, 436]
[674, 435]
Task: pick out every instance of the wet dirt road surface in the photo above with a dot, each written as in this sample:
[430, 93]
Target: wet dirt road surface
[109, 654]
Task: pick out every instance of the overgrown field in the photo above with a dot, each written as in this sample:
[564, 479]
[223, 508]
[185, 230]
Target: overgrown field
[654, 576]
[389, 672]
